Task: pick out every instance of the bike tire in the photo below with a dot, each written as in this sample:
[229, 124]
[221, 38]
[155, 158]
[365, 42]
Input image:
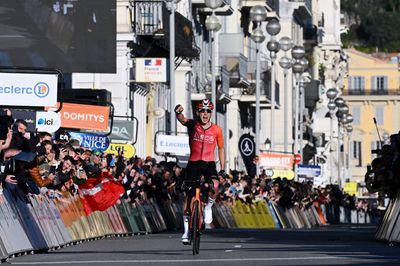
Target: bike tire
[195, 220]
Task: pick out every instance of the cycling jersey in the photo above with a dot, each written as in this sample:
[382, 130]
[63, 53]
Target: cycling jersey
[202, 141]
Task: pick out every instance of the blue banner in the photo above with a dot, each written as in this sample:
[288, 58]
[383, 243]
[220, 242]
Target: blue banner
[92, 141]
[309, 170]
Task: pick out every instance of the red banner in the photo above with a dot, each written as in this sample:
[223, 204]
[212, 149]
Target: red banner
[100, 192]
[275, 160]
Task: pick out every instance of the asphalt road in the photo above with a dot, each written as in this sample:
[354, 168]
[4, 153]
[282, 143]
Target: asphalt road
[342, 245]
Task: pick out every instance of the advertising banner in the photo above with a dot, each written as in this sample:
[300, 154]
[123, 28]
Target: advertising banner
[28, 116]
[350, 188]
[151, 70]
[36, 90]
[282, 173]
[309, 170]
[172, 144]
[128, 150]
[275, 160]
[91, 141]
[48, 121]
[84, 116]
[122, 130]
[247, 148]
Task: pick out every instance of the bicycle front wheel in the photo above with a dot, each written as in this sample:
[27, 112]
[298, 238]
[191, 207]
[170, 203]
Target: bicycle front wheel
[195, 234]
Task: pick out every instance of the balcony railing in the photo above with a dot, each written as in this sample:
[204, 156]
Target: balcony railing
[371, 92]
[148, 17]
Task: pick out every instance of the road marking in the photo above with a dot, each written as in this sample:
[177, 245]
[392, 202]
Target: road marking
[11, 36]
[228, 250]
[175, 261]
[237, 246]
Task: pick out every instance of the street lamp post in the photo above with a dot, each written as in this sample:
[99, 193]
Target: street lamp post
[297, 53]
[304, 63]
[349, 129]
[297, 68]
[331, 94]
[286, 63]
[346, 125]
[343, 110]
[213, 25]
[171, 6]
[273, 28]
[257, 15]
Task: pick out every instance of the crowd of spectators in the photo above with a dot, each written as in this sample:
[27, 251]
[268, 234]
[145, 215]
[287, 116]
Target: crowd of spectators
[52, 165]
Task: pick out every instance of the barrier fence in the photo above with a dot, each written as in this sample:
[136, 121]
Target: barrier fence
[37, 223]
[389, 228]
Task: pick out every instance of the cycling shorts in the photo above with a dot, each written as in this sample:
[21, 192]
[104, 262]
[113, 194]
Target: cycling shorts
[196, 169]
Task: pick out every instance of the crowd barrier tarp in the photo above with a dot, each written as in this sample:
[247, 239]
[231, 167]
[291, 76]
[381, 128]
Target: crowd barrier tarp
[389, 227]
[274, 215]
[141, 218]
[20, 206]
[13, 236]
[266, 220]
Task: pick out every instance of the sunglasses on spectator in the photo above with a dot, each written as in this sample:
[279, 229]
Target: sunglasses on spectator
[205, 110]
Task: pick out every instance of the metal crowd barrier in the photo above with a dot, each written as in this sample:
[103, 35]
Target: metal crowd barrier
[36, 223]
[270, 215]
[389, 227]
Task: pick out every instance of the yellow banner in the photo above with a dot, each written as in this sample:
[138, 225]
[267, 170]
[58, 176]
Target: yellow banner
[289, 174]
[128, 150]
[350, 188]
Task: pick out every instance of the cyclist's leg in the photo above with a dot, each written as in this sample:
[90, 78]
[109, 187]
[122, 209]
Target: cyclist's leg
[191, 176]
[212, 177]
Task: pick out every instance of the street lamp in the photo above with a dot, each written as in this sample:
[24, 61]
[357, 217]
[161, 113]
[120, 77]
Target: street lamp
[171, 5]
[298, 53]
[348, 128]
[257, 15]
[304, 63]
[342, 112]
[331, 94]
[213, 25]
[286, 63]
[273, 28]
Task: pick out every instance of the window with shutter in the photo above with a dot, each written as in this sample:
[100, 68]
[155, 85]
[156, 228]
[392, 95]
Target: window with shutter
[356, 115]
[379, 110]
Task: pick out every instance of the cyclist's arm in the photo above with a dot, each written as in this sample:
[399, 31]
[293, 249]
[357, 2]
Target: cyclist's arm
[221, 149]
[179, 115]
[221, 155]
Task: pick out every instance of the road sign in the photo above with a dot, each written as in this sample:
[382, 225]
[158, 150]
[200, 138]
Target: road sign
[297, 158]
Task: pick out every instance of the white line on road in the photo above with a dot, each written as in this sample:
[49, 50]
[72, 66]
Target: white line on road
[172, 261]
[11, 36]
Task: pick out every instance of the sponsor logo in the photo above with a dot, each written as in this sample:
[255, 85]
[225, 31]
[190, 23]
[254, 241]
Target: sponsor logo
[44, 121]
[41, 89]
[84, 117]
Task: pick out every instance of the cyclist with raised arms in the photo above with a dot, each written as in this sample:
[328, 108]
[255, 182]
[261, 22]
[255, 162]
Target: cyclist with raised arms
[204, 136]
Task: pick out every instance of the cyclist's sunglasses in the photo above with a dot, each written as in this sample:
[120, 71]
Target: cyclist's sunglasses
[205, 110]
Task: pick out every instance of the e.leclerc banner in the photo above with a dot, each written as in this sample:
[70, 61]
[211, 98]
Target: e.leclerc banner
[17, 89]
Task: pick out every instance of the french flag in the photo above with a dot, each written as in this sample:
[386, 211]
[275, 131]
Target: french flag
[152, 62]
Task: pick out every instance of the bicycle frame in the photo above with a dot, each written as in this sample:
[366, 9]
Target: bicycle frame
[200, 209]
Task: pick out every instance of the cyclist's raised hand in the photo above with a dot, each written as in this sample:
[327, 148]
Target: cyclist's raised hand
[178, 109]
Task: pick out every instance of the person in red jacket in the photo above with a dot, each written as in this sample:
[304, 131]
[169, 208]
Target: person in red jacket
[204, 137]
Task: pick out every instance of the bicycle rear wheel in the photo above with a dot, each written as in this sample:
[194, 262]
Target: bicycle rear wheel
[194, 232]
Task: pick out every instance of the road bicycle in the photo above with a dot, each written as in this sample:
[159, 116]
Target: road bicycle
[196, 222]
